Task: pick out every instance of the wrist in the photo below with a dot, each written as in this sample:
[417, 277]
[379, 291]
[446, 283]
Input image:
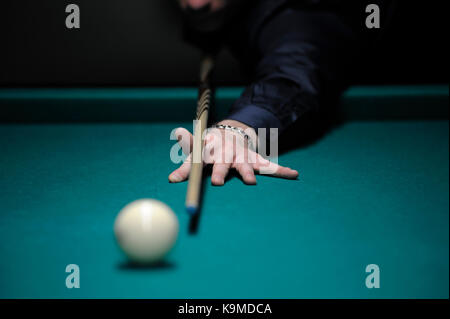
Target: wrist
[246, 130]
[234, 123]
[240, 125]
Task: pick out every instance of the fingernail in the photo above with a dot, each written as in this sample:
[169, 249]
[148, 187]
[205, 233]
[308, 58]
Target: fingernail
[175, 178]
[218, 182]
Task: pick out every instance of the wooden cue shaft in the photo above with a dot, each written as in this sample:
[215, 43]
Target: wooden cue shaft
[203, 106]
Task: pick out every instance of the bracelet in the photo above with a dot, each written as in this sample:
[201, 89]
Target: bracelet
[236, 130]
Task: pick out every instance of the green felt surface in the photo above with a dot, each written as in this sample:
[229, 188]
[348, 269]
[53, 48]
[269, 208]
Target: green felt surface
[368, 192]
[23, 105]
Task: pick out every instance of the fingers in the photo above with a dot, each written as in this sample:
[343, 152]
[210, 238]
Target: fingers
[220, 171]
[247, 173]
[264, 166]
[223, 157]
[286, 172]
[185, 139]
[182, 173]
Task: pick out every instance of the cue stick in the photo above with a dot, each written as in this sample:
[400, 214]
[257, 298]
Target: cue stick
[203, 106]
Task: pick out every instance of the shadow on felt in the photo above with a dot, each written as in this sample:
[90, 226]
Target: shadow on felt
[131, 266]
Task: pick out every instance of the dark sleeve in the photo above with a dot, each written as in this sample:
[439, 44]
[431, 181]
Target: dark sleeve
[301, 57]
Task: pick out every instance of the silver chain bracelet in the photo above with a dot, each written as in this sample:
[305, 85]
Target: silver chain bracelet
[236, 130]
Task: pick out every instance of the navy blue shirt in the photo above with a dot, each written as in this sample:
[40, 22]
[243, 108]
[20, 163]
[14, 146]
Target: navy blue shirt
[297, 55]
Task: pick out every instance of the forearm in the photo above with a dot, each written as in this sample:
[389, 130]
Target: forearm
[303, 58]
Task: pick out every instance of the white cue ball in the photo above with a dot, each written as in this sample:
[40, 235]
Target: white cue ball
[146, 230]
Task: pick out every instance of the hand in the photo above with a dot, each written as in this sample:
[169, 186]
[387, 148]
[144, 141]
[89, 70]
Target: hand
[227, 150]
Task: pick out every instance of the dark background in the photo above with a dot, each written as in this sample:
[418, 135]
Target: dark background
[139, 42]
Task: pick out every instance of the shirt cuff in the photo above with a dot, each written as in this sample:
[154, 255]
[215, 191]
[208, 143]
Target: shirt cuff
[255, 117]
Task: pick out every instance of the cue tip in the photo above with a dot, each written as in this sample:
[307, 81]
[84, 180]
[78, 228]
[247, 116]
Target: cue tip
[192, 210]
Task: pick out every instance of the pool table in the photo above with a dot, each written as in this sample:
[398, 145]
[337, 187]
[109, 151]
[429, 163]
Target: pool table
[373, 190]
